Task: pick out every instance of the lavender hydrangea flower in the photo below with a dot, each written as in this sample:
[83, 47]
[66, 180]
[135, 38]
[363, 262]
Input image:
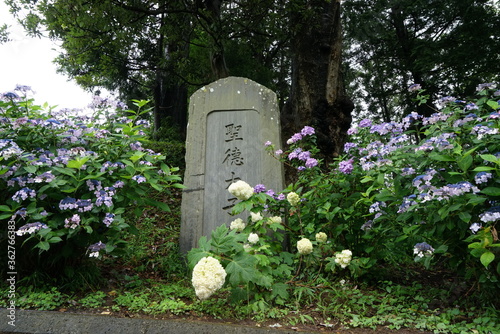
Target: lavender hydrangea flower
[307, 131]
[349, 146]
[407, 203]
[475, 227]
[346, 166]
[408, 171]
[259, 188]
[294, 154]
[139, 178]
[280, 197]
[414, 87]
[304, 155]
[108, 219]
[68, 203]
[482, 177]
[94, 249]
[72, 222]
[30, 228]
[493, 214]
[104, 197]
[84, 205]
[377, 207]
[311, 162]
[423, 249]
[483, 86]
[270, 192]
[23, 194]
[295, 138]
[365, 123]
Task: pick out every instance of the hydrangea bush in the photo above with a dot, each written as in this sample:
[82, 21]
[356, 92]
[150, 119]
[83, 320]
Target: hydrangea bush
[67, 180]
[423, 190]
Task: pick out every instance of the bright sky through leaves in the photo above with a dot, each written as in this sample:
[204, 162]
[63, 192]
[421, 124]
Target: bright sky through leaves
[28, 61]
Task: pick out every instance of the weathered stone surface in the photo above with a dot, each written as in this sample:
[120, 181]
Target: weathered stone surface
[229, 122]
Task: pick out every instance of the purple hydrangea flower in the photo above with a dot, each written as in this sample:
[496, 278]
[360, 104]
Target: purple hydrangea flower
[119, 184]
[72, 222]
[23, 194]
[365, 123]
[84, 205]
[311, 162]
[304, 155]
[30, 228]
[414, 87]
[94, 249]
[259, 188]
[108, 219]
[137, 146]
[295, 138]
[346, 166]
[349, 146]
[423, 249]
[103, 197]
[68, 203]
[483, 86]
[493, 214]
[307, 131]
[482, 177]
[139, 178]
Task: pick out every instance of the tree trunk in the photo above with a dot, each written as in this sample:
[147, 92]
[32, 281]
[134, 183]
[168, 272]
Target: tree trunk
[209, 12]
[170, 101]
[169, 93]
[318, 96]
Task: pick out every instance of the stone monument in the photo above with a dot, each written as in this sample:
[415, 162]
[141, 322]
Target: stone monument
[229, 122]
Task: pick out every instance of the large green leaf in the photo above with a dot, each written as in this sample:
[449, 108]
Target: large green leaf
[242, 269]
[487, 258]
[491, 191]
[465, 162]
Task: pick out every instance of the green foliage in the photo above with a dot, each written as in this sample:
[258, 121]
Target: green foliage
[42, 300]
[93, 300]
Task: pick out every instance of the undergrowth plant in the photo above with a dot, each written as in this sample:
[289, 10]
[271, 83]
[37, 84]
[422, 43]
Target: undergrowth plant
[421, 190]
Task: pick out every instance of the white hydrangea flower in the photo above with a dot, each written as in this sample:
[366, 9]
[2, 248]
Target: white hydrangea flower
[293, 198]
[321, 237]
[343, 258]
[253, 238]
[208, 277]
[255, 216]
[238, 224]
[241, 190]
[304, 246]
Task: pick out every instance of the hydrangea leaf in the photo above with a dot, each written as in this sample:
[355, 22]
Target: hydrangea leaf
[242, 270]
[486, 258]
[491, 191]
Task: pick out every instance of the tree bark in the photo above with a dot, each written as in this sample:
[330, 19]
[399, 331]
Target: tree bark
[318, 96]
